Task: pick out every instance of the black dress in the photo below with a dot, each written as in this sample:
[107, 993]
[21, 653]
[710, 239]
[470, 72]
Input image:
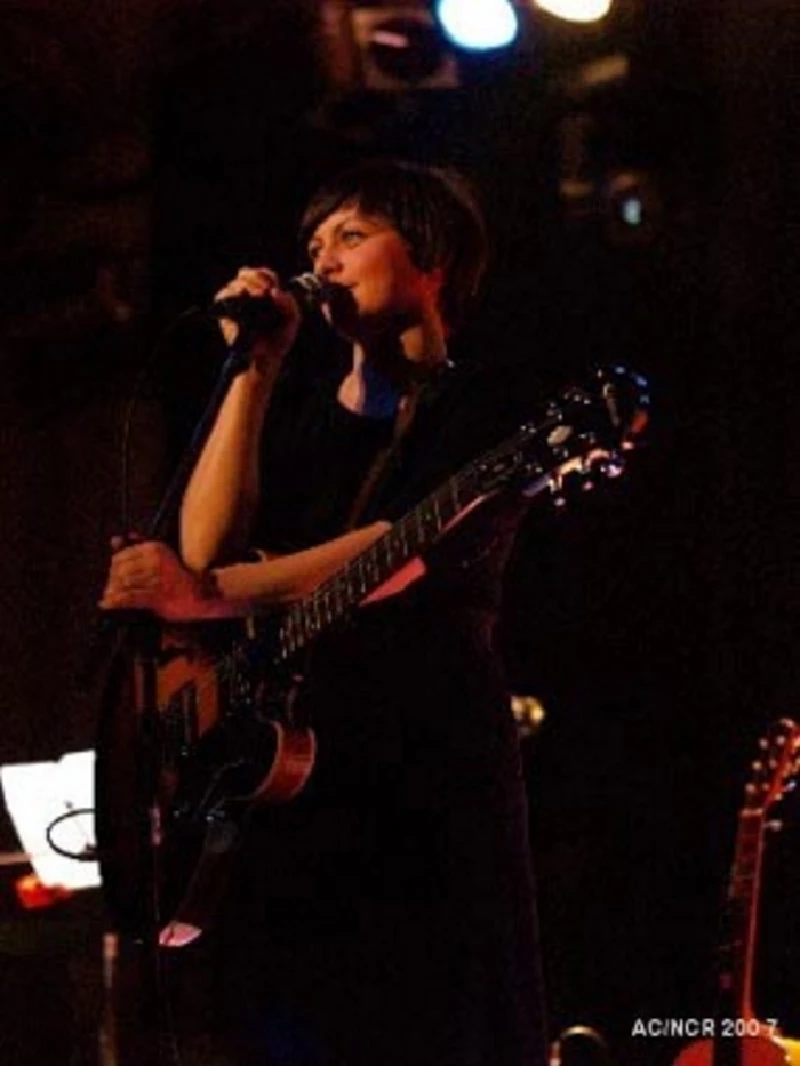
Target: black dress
[386, 916]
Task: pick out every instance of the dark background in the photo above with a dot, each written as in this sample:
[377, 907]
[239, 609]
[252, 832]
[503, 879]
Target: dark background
[153, 147]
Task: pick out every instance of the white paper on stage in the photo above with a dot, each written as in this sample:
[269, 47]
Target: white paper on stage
[36, 795]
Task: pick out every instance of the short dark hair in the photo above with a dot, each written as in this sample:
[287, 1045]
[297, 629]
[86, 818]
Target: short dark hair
[434, 209]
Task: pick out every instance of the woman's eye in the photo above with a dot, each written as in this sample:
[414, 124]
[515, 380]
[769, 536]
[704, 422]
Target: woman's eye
[347, 237]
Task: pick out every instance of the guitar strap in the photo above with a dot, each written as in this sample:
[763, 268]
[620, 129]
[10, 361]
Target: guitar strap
[402, 423]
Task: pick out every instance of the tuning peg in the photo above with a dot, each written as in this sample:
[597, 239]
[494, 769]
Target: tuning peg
[612, 466]
[774, 825]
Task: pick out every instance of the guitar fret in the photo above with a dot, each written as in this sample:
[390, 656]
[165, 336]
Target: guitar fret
[300, 629]
[324, 605]
[419, 525]
[338, 602]
[388, 547]
[327, 605]
[292, 634]
[361, 576]
[307, 629]
[374, 569]
[432, 516]
[334, 603]
[437, 514]
[402, 541]
[286, 635]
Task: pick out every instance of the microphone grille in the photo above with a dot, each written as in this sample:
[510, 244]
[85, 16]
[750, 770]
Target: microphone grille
[308, 289]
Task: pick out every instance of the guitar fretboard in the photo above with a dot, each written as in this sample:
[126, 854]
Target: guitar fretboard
[748, 853]
[735, 956]
[336, 598]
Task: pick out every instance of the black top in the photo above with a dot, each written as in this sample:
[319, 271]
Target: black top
[390, 906]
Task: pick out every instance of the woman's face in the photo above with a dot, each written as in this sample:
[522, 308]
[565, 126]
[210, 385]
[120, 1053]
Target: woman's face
[374, 285]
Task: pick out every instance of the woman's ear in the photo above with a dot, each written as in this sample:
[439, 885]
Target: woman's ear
[434, 279]
[439, 281]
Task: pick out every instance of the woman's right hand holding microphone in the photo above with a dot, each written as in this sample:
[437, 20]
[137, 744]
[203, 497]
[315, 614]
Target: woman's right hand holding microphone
[267, 348]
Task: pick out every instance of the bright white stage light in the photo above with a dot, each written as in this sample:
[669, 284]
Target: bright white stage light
[478, 24]
[576, 10]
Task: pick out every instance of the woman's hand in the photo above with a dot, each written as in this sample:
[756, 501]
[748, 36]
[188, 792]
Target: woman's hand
[267, 349]
[148, 575]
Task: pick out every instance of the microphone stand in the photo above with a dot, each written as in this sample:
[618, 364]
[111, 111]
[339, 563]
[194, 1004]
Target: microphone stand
[137, 641]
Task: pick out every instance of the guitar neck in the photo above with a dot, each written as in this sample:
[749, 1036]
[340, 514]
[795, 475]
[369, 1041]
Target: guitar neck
[407, 538]
[566, 433]
[737, 949]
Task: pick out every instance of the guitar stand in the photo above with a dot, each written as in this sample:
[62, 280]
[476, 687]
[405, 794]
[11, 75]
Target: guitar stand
[135, 957]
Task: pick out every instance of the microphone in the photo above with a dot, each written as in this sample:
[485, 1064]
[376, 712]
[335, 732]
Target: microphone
[307, 290]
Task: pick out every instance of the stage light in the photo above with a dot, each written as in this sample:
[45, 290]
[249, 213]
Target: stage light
[633, 207]
[528, 714]
[576, 10]
[401, 47]
[478, 25]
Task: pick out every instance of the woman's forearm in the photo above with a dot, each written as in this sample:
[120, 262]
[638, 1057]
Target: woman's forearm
[284, 578]
[222, 493]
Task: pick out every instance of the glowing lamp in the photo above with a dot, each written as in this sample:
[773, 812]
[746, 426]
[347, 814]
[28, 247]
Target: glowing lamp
[478, 25]
[576, 10]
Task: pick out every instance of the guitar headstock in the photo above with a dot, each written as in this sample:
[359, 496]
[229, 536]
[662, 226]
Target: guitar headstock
[598, 423]
[773, 772]
[613, 405]
[581, 436]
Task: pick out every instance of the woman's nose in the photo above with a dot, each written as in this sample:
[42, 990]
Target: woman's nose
[327, 262]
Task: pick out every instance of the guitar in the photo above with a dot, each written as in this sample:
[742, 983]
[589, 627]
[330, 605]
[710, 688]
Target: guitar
[740, 1037]
[220, 737]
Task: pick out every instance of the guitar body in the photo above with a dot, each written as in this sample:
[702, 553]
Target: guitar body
[185, 752]
[746, 1051]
